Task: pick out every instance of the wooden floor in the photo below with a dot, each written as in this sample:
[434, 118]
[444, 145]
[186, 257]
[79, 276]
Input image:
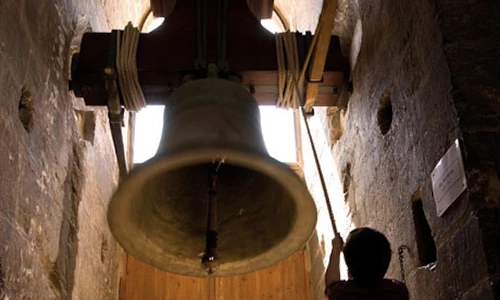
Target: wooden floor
[288, 280]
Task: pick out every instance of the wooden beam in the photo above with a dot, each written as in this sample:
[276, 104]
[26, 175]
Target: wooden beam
[264, 87]
[318, 59]
[166, 55]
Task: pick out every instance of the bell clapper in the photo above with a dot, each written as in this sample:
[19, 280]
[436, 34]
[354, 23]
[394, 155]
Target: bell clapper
[210, 261]
[212, 147]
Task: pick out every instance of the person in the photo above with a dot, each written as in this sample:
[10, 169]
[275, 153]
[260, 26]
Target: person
[367, 254]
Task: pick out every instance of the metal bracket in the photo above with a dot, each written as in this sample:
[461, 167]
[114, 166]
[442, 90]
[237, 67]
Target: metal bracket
[116, 112]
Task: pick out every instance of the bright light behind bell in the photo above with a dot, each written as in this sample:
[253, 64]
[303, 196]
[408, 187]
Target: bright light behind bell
[278, 128]
[152, 23]
[147, 132]
[270, 25]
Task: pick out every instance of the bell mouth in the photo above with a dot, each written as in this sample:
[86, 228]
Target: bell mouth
[264, 211]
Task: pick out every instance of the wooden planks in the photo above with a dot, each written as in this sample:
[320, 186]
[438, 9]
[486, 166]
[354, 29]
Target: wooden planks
[287, 280]
[144, 282]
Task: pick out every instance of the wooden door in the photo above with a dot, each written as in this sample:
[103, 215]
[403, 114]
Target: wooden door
[288, 280]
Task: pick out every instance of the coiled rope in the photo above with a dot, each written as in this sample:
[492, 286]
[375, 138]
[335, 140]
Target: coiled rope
[126, 67]
[288, 69]
[290, 81]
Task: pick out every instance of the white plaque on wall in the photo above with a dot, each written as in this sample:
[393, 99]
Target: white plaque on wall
[448, 178]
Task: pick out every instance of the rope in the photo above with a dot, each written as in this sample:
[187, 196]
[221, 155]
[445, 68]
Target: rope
[296, 83]
[288, 69]
[282, 18]
[320, 173]
[126, 67]
[144, 18]
[280, 56]
[293, 68]
[289, 80]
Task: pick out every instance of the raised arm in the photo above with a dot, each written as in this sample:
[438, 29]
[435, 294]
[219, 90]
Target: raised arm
[333, 270]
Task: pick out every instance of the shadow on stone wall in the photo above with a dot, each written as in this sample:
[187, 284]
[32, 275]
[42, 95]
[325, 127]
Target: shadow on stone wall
[62, 275]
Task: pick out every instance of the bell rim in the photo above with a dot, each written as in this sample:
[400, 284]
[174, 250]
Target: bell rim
[234, 156]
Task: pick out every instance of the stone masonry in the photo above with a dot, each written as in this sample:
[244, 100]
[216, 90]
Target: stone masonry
[424, 74]
[57, 163]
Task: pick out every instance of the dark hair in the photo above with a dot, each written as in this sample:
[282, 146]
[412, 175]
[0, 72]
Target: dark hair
[367, 254]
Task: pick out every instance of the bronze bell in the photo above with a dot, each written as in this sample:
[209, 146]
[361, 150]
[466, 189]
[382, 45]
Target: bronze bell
[264, 212]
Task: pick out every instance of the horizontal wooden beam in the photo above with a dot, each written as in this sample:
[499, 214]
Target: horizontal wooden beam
[166, 56]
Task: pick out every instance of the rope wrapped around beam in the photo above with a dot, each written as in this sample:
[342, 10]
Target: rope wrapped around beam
[291, 79]
[126, 67]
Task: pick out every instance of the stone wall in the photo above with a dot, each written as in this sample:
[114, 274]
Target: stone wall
[57, 166]
[426, 74]
[471, 45]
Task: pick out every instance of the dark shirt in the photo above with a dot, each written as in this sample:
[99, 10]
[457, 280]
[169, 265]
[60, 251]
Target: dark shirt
[388, 289]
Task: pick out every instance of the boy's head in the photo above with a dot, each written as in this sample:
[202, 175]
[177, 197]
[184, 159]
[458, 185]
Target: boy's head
[367, 254]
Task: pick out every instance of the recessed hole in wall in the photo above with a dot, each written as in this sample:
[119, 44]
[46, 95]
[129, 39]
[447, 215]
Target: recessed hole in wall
[344, 95]
[86, 124]
[346, 180]
[426, 246]
[335, 125]
[384, 113]
[104, 249]
[26, 109]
